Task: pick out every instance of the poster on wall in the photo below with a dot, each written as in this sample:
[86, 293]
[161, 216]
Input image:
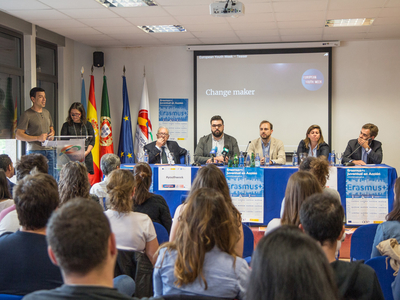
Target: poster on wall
[174, 115]
[174, 178]
[367, 197]
[246, 186]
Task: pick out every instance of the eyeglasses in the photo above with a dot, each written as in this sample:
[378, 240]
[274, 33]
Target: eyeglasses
[163, 134]
[217, 125]
[75, 115]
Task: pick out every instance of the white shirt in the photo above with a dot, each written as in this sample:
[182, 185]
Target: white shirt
[6, 203]
[10, 222]
[219, 144]
[100, 190]
[170, 157]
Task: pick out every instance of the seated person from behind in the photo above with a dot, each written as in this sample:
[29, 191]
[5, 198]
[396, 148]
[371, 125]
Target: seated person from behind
[108, 163]
[202, 259]
[82, 244]
[314, 144]
[164, 151]
[25, 265]
[7, 165]
[266, 144]
[321, 216]
[216, 139]
[365, 149]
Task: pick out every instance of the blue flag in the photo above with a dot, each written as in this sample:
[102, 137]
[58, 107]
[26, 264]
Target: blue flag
[125, 146]
[83, 95]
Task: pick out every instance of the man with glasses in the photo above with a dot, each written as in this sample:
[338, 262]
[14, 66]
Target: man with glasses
[35, 126]
[365, 149]
[164, 151]
[217, 139]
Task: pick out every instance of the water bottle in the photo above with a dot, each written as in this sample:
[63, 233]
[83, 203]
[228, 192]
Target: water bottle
[257, 162]
[187, 158]
[146, 157]
[236, 161]
[295, 159]
[266, 160]
[333, 158]
[253, 161]
[171, 160]
[248, 162]
[241, 160]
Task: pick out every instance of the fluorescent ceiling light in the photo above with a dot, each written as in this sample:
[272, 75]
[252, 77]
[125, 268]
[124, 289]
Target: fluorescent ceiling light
[162, 28]
[126, 3]
[349, 22]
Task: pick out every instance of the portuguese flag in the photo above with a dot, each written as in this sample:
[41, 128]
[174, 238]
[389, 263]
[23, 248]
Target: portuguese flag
[92, 118]
[106, 140]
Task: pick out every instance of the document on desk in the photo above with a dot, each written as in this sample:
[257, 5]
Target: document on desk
[367, 195]
[174, 178]
[246, 186]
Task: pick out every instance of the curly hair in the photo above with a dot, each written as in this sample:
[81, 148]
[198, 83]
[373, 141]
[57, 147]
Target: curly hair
[28, 162]
[142, 172]
[120, 187]
[74, 182]
[320, 168]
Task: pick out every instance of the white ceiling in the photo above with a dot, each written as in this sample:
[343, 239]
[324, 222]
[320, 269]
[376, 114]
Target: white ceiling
[92, 24]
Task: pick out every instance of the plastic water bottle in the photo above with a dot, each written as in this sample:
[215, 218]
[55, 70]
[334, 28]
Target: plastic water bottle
[257, 162]
[253, 160]
[295, 159]
[333, 158]
[236, 161]
[241, 160]
[146, 157]
[187, 158]
[248, 162]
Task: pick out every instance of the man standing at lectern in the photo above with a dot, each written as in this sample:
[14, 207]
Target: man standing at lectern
[217, 139]
[164, 151]
[365, 149]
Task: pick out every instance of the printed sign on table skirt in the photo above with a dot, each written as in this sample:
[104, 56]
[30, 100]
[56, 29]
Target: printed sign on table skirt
[174, 178]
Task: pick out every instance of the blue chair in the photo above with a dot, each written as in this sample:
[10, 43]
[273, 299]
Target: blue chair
[248, 245]
[385, 275]
[162, 233]
[362, 241]
[10, 297]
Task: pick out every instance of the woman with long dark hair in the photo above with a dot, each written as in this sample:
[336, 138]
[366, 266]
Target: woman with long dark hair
[74, 182]
[202, 258]
[77, 125]
[391, 228]
[313, 144]
[5, 196]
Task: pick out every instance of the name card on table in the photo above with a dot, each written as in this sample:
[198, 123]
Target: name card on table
[367, 195]
[246, 186]
[174, 178]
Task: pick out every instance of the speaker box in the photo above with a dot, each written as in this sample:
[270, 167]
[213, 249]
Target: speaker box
[98, 59]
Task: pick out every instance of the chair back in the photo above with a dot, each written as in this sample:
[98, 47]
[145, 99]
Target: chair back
[10, 297]
[384, 272]
[362, 241]
[162, 233]
[248, 245]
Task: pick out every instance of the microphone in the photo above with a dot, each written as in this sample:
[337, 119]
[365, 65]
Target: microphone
[245, 151]
[225, 152]
[349, 163]
[213, 152]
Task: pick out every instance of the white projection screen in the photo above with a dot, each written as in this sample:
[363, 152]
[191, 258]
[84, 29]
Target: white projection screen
[291, 88]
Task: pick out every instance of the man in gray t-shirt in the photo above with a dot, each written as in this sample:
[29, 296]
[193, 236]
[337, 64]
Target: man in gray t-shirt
[35, 126]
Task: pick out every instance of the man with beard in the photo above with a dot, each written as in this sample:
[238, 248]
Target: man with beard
[266, 144]
[217, 139]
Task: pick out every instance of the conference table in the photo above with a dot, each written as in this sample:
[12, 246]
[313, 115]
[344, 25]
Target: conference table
[275, 180]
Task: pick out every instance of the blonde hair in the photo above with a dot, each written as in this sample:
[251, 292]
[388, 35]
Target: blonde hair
[121, 184]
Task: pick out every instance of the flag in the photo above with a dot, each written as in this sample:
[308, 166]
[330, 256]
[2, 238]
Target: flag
[83, 94]
[92, 118]
[144, 132]
[125, 146]
[106, 140]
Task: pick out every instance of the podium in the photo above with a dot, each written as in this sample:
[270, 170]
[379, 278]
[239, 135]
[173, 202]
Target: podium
[67, 148]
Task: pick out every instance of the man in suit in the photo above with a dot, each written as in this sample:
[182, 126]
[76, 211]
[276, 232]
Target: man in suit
[216, 139]
[164, 151]
[267, 144]
[365, 149]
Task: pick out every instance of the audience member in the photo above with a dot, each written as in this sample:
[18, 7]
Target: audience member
[202, 258]
[148, 203]
[82, 244]
[288, 264]
[211, 176]
[391, 228]
[108, 163]
[5, 195]
[321, 217]
[6, 165]
[133, 231]
[300, 185]
[74, 182]
[25, 265]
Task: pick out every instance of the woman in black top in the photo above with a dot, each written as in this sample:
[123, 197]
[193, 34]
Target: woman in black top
[148, 203]
[313, 140]
[77, 125]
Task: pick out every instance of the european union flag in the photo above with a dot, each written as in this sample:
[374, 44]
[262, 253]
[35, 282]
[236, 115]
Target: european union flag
[125, 146]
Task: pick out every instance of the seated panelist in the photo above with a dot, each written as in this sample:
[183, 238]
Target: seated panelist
[217, 139]
[164, 151]
[365, 149]
[314, 144]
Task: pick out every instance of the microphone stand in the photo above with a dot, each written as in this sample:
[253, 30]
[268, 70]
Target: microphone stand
[349, 163]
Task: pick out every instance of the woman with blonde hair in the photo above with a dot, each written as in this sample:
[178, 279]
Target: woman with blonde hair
[211, 176]
[202, 259]
[133, 231]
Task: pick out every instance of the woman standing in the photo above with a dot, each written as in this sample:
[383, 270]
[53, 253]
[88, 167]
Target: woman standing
[77, 125]
[313, 144]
